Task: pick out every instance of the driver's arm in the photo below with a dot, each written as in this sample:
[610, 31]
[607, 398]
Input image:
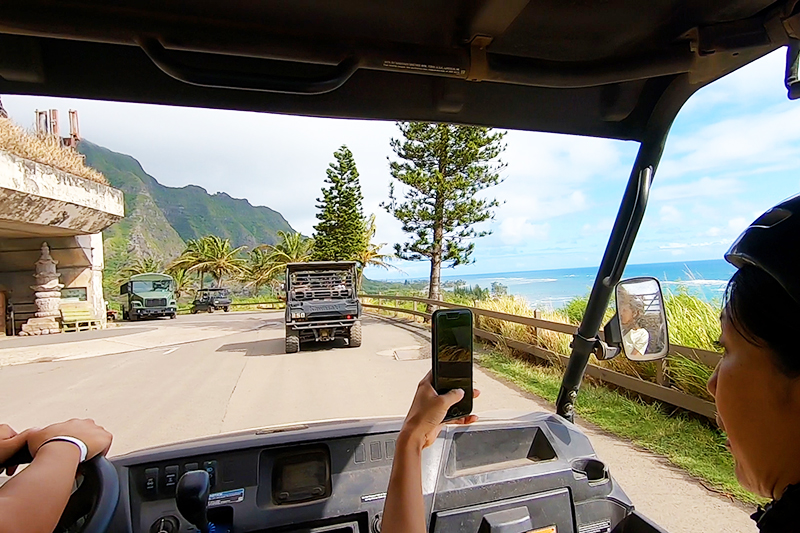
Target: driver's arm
[404, 510]
[33, 500]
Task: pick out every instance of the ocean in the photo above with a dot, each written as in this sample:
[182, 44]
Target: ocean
[551, 289]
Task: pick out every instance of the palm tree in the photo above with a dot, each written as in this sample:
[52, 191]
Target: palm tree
[141, 265]
[292, 248]
[210, 255]
[371, 254]
[260, 269]
[183, 281]
[273, 258]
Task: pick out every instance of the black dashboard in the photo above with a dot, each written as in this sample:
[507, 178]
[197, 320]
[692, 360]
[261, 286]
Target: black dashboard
[536, 473]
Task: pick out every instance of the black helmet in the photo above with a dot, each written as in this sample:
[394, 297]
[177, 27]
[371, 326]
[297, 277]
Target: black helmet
[772, 243]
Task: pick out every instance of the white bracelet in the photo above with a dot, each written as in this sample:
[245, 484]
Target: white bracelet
[77, 442]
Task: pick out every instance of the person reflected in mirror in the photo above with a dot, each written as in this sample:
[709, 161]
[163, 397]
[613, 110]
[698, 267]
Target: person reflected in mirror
[33, 500]
[635, 336]
[404, 509]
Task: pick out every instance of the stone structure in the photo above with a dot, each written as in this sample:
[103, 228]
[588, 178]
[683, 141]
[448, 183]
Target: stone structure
[48, 297]
[39, 203]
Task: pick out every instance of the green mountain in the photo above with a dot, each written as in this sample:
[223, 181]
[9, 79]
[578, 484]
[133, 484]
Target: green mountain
[159, 219]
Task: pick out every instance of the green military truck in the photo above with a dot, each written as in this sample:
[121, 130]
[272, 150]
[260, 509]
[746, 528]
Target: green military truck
[148, 295]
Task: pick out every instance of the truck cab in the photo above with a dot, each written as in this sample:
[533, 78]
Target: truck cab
[148, 295]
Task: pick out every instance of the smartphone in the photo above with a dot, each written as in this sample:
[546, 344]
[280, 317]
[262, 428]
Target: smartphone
[452, 356]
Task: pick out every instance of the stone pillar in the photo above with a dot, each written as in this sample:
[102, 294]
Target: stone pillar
[48, 297]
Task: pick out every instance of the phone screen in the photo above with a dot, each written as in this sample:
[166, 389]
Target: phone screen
[452, 356]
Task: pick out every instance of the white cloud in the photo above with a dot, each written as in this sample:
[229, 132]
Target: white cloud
[713, 232]
[738, 224]
[515, 230]
[670, 215]
[704, 187]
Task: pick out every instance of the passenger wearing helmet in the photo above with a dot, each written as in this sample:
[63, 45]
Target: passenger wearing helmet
[756, 385]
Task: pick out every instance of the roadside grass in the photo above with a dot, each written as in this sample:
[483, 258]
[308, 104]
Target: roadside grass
[45, 149]
[687, 442]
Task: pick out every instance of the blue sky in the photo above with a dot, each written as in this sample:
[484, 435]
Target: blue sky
[733, 152]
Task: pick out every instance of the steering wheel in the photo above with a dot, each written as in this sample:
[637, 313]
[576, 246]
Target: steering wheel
[90, 507]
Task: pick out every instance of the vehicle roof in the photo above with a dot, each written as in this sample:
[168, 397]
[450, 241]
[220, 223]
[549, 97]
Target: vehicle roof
[149, 276]
[322, 265]
[588, 68]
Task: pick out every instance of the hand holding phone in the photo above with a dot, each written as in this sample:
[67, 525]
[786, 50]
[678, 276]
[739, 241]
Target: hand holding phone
[452, 357]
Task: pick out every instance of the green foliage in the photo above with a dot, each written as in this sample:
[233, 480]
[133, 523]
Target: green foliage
[210, 255]
[692, 321]
[371, 254]
[468, 293]
[291, 248]
[159, 219]
[340, 233]
[443, 167]
[499, 290]
[141, 265]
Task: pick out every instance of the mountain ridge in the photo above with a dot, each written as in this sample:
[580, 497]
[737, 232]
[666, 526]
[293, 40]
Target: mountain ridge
[160, 219]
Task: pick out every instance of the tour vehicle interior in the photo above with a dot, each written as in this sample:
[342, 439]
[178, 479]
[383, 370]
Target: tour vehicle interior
[620, 69]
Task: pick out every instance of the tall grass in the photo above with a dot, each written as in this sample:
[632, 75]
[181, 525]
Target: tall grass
[691, 322]
[45, 149]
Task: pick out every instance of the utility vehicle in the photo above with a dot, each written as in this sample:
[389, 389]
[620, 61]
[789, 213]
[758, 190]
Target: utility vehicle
[616, 69]
[209, 300]
[322, 303]
[148, 295]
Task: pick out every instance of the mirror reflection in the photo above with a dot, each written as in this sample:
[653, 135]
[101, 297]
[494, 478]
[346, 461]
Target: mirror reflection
[643, 322]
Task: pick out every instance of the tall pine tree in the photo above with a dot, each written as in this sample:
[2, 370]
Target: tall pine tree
[340, 233]
[443, 168]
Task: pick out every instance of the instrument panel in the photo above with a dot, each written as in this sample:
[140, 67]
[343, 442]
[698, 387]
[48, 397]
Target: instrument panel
[516, 476]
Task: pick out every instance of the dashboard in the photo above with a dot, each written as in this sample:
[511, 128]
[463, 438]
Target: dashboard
[535, 473]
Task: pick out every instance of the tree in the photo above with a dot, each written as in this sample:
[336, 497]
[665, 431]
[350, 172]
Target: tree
[499, 290]
[141, 265]
[443, 168]
[339, 235]
[371, 254]
[183, 281]
[261, 269]
[210, 255]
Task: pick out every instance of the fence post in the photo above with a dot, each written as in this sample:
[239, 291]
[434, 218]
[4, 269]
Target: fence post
[662, 378]
[536, 314]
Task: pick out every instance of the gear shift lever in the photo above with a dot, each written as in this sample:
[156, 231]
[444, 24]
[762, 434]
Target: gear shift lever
[191, 495]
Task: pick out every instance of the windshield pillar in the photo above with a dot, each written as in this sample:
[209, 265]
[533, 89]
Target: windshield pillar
[620, 243]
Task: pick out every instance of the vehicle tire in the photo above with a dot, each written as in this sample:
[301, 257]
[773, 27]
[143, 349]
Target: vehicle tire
[194, 310]
[172, 316]
[133, 316]
[124, 315]
[226, 309]
[355, 335]
[210, 308]
[292, 341]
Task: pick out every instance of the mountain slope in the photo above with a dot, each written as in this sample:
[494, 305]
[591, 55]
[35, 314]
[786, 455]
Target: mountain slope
[159, 219]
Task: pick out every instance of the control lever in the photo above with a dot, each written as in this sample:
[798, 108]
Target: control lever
[191, 495]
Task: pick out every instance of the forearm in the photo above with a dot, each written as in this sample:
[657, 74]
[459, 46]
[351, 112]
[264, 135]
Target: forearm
[404, 510]
[33, 500]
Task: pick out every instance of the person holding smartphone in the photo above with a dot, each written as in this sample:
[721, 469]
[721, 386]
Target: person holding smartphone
[404, 510]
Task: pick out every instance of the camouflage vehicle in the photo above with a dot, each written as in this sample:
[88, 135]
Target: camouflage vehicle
[322, 303]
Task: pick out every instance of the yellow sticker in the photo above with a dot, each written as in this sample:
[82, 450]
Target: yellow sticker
[548, 529]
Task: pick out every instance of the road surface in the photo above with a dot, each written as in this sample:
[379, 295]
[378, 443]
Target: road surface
[170, 380]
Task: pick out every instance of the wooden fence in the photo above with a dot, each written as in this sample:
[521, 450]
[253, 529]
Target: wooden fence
[659, 391]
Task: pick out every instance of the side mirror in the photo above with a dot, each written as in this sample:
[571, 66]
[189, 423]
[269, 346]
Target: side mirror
[639, 327]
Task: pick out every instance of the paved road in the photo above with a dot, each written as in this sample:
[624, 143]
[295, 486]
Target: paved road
[161, 385]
